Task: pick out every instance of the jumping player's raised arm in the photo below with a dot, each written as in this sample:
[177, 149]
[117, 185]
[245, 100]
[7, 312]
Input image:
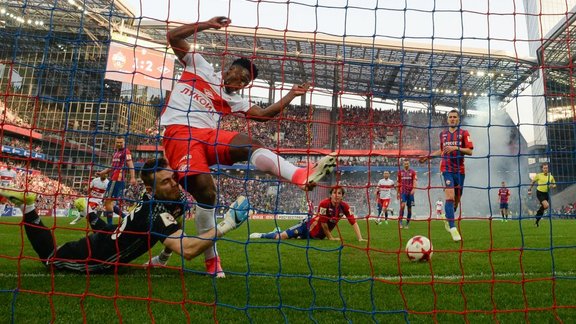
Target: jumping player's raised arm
[177, 36]
[258, 113]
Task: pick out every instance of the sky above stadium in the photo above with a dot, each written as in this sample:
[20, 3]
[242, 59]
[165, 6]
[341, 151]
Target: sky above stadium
[449, 22]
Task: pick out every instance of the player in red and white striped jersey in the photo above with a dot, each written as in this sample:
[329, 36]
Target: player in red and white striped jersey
[90, 204]
[8, 176]
[193, 139]
[439, 208]
[7, 180]
[383, 196]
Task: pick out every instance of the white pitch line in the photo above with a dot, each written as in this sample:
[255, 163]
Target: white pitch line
[530, 275]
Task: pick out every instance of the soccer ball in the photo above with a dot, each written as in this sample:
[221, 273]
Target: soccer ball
[419, 248]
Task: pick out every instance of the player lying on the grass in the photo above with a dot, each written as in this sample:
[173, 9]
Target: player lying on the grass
[152, 221]
[330, 210]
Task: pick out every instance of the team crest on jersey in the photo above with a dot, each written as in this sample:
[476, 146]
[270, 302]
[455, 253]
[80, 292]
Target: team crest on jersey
[209, 94]
[167, 219]
[185, 158]
[322, 211]
[183, 163]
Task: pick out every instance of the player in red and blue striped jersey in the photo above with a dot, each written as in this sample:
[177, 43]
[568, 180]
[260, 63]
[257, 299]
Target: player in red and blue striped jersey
[330, 211]
[455, 143]
[121, 164]
[503, 197]
[406, 184]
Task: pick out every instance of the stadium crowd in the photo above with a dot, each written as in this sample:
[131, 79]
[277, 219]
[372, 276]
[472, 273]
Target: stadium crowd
[289, 130]
[363, 128]
[53, 194]
[266, 194]
[358, 128]
[19, 143]
[568, 210]
[7, 116]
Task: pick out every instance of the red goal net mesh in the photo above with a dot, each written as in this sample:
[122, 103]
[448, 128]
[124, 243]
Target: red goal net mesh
[376, 82]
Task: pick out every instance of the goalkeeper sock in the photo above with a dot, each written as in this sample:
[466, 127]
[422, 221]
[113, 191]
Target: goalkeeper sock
[164, 256]
[30, 215]
[96, 223]
[40, 236]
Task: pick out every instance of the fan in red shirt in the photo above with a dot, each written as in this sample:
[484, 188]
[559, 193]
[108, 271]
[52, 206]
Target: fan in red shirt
[330, 211]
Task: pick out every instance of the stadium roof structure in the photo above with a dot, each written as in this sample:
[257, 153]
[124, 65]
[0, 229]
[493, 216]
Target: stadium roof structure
[558, 54]
[387, 70]
[398, 71]
[94, 18]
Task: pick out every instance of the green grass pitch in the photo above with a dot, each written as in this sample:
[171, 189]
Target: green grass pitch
[502, 272]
